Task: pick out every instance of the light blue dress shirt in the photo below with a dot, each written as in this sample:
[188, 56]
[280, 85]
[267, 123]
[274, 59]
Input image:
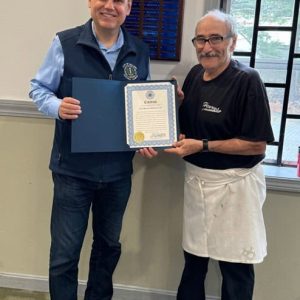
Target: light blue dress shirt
[46, 82]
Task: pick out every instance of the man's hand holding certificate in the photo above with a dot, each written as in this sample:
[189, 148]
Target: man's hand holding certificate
[150, 114]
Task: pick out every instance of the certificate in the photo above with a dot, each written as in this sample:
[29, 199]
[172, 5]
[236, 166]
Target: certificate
[150, 114]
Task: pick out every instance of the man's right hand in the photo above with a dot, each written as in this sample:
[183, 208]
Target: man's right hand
[69, 108]
[148, 152]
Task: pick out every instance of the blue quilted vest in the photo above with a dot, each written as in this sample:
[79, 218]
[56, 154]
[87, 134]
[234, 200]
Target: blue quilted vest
[82, 58]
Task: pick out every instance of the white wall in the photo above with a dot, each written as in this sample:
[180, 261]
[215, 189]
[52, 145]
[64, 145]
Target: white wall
[28, 27]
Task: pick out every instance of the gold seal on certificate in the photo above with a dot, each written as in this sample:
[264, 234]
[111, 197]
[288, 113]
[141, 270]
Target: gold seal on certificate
[151, 115]
[139, 137]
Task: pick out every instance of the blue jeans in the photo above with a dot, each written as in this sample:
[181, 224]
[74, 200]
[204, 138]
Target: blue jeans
[73, 198]
[237, 283]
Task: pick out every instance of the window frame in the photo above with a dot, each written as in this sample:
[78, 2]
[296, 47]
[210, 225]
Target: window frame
[225, 6]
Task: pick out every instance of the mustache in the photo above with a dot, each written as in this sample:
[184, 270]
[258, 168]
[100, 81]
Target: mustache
[209, 54]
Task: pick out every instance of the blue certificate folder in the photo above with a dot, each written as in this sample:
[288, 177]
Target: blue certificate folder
[101, 127]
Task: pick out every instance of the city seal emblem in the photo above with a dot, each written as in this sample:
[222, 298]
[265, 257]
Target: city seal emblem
[150, 95]
[130, 71]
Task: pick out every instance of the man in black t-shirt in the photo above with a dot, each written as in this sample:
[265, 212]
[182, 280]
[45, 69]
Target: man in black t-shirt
[225, 126]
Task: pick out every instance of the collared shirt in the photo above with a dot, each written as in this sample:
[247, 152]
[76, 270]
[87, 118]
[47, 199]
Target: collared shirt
[111, 54]
[46, 82]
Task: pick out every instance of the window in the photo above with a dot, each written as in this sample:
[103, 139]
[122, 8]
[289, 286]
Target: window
[269, 40]
[159, 24]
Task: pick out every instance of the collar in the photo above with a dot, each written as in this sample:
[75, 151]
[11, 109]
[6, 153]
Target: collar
[88, 38]
[115, 47]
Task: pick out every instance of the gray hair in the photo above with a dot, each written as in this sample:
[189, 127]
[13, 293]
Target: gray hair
[227, 18]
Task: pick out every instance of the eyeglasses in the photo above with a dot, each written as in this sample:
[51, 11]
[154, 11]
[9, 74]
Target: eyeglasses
[214, 40]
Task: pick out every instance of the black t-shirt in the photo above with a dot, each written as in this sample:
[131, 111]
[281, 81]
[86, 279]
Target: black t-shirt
[233, 105]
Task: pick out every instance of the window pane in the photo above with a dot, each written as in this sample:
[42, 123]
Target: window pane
[273, 44]
[291, 141]
[243, 43]
[294, 97]
[271, 154]
[275, 96]
[243, 59]
[297, 48]
[276, 12]
[244, 12]
[272, 55]
[272, 71]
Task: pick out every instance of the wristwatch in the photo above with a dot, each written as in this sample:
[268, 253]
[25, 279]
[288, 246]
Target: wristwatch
[205, 145]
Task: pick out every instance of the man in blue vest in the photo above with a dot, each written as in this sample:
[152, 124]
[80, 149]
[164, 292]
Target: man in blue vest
[101, 49]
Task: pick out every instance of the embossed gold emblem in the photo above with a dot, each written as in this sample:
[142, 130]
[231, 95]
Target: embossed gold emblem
[138, 137]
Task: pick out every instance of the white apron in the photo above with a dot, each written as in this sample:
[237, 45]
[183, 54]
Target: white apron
[223, 214]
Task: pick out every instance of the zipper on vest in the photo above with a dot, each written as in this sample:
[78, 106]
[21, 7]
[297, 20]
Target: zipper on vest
[110, 77]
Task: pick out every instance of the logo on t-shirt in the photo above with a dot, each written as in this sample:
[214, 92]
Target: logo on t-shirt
[210, 108]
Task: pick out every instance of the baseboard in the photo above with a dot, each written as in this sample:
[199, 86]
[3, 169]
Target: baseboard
[121, 292]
